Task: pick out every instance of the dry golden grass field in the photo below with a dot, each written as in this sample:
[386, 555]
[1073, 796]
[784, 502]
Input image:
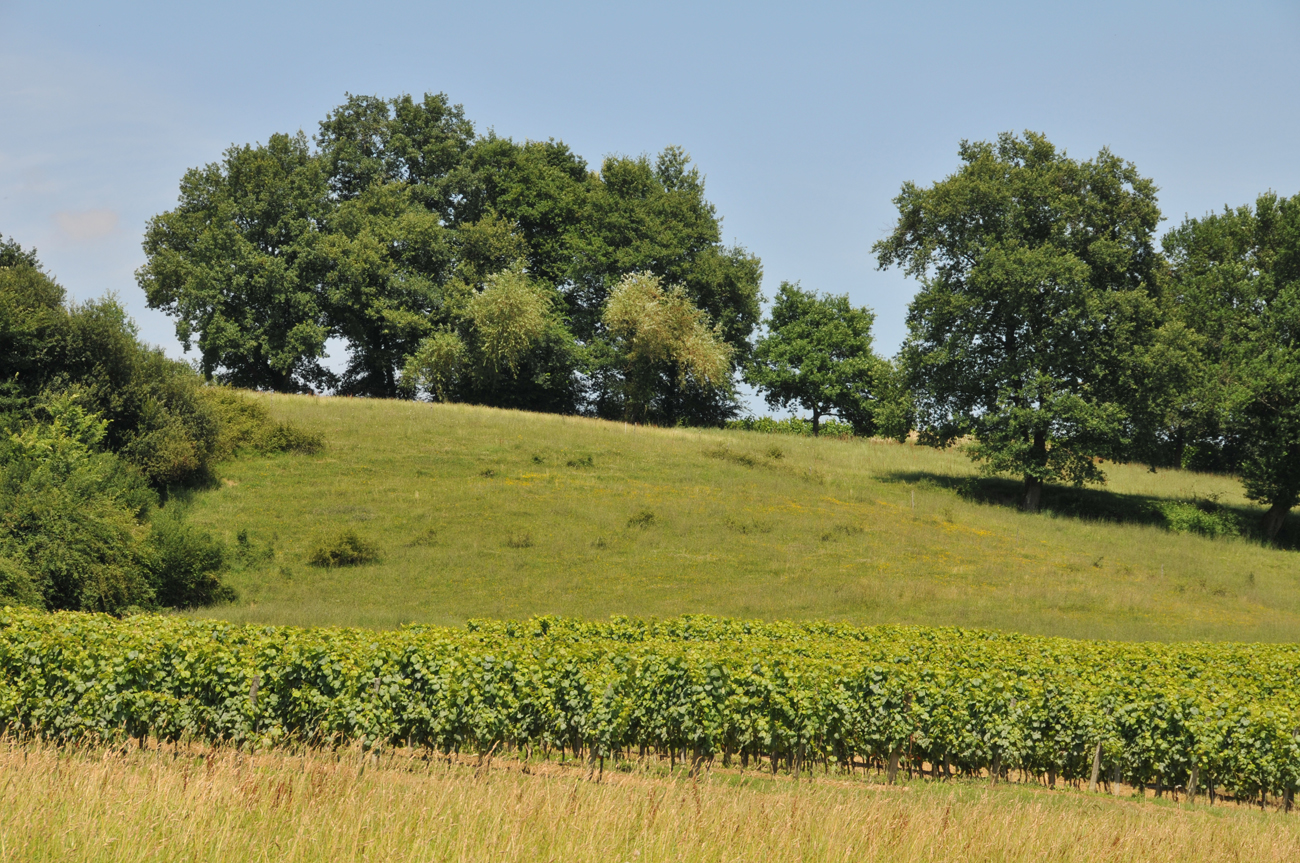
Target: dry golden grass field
[129, 805]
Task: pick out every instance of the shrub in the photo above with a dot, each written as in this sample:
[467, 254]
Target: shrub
[345, 548]
[71, 515]
[792, 426]
[642, 519]
[17, 587]
[1203, 517]
[73, 525]
[160, 415]
[186, 563]
[245, 424]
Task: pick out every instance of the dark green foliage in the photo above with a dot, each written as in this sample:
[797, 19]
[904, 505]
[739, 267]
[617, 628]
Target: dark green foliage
[185, 563]
[539, 187]
[1237, 283]
[654, 218]
[384, 235]
[1038, 329]
[817, 355]
[14, 255]
[240, 265]
[368, 141]
[345, 548]
[157, 419]
[94, 426]
[17, 587]
[70, 514]
[384, 260]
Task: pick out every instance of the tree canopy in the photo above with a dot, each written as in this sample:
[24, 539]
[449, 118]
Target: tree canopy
[1237, 284]
[383, 233]
[663, 344]
[239, 265]
[1038, 321]
[817, 355]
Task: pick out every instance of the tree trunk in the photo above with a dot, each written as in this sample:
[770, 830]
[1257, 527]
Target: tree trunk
[1033, 485]
[1033, 498]
[817, 423]
[1273, 520]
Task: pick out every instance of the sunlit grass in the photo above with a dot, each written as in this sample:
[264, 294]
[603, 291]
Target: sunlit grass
[133, 805]
[487, 513]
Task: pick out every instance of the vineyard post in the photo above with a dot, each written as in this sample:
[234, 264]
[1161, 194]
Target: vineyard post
[995, 769]
[1096, 769]
[1191, 782]
[893, 764]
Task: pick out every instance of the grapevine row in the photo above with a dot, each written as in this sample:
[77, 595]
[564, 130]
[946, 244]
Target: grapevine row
[792, 696]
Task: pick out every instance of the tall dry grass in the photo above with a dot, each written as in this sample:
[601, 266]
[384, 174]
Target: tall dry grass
[111, 805]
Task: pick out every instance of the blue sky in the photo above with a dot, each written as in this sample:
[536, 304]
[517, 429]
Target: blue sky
[805, 118]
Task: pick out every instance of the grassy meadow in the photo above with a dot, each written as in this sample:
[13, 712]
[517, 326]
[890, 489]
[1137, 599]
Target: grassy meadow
[157, 805]
[486, 513]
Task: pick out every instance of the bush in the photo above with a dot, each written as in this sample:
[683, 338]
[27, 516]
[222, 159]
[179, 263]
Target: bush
[73, 525]
[791, 426]
[245, 424]
[17, 587]
[186, 563]
[643, 519]
[161, 416]
[71, 514]
[345, 548]
[1203, 517]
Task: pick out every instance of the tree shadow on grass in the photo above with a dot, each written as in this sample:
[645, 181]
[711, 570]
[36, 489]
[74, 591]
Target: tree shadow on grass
[1204, 516]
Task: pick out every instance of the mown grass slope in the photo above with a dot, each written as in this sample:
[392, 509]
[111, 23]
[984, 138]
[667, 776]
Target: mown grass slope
[485, 513]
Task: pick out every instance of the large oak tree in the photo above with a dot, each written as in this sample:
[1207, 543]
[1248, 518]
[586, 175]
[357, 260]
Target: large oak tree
[1037, 330]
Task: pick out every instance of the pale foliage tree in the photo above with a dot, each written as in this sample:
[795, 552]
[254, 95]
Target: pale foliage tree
[655, 327]
[500, 325]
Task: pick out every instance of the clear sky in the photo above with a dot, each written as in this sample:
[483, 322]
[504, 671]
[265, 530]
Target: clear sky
[805, 118]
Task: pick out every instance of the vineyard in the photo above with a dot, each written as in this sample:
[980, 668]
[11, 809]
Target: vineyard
[1219, 719]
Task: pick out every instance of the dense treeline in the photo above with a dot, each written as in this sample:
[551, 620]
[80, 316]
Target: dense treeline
[1203, 718]
[97, 431]
[465, 266]
[1052, 329]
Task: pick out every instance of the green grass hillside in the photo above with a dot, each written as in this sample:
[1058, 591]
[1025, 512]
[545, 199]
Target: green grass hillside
[477, 512]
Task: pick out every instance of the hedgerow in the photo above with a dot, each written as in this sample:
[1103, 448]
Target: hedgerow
[1226, 716]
